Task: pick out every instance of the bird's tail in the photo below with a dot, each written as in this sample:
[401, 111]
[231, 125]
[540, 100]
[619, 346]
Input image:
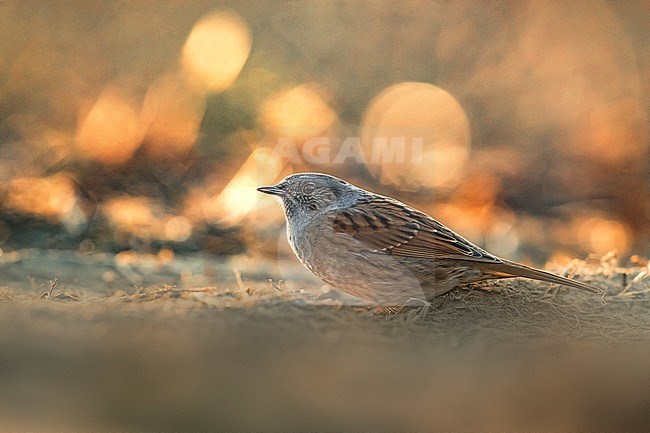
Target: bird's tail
[509, 269]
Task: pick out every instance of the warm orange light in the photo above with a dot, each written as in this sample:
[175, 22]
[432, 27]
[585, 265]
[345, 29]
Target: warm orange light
[298, 113]
[165, 255]
[144, 218]
[52, 197]
[479, 188]
[561, 258]
[601, 235]
[131, 214]
[178, 229]
[234, 202]
[111, 131]
[130, 258]
[416, 134]
[240, 195]
[614, 133]
[216, 50]
[126, 258]
[172, 114]
[483, 224]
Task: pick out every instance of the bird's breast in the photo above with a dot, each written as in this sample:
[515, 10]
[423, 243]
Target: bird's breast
[347, 264]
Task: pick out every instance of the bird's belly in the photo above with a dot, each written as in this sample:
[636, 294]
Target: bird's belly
[347, 265]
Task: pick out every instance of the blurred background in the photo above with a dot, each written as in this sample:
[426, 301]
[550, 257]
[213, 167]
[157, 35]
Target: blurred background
[147, 126]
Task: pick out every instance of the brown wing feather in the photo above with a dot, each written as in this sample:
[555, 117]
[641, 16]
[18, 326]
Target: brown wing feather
[393, 228]
[390, 227]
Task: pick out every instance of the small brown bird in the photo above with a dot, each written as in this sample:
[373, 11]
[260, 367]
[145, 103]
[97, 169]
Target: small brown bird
[381, 250]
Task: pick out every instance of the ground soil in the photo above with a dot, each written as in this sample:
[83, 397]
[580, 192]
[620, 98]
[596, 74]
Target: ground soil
[157, 343]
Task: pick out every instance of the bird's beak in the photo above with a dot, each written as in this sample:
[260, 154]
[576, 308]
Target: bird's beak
[273, 190]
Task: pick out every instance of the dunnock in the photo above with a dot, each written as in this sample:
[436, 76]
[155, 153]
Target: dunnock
[381, 250]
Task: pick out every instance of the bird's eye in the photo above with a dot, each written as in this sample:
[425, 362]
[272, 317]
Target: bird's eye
[308, 188]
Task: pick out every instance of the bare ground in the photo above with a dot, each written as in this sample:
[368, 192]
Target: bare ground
[164, 344]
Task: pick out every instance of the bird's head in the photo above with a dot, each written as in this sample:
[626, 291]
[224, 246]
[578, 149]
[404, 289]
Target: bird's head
[308, 194]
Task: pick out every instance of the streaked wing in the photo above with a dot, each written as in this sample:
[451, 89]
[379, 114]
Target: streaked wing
[391, 227]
